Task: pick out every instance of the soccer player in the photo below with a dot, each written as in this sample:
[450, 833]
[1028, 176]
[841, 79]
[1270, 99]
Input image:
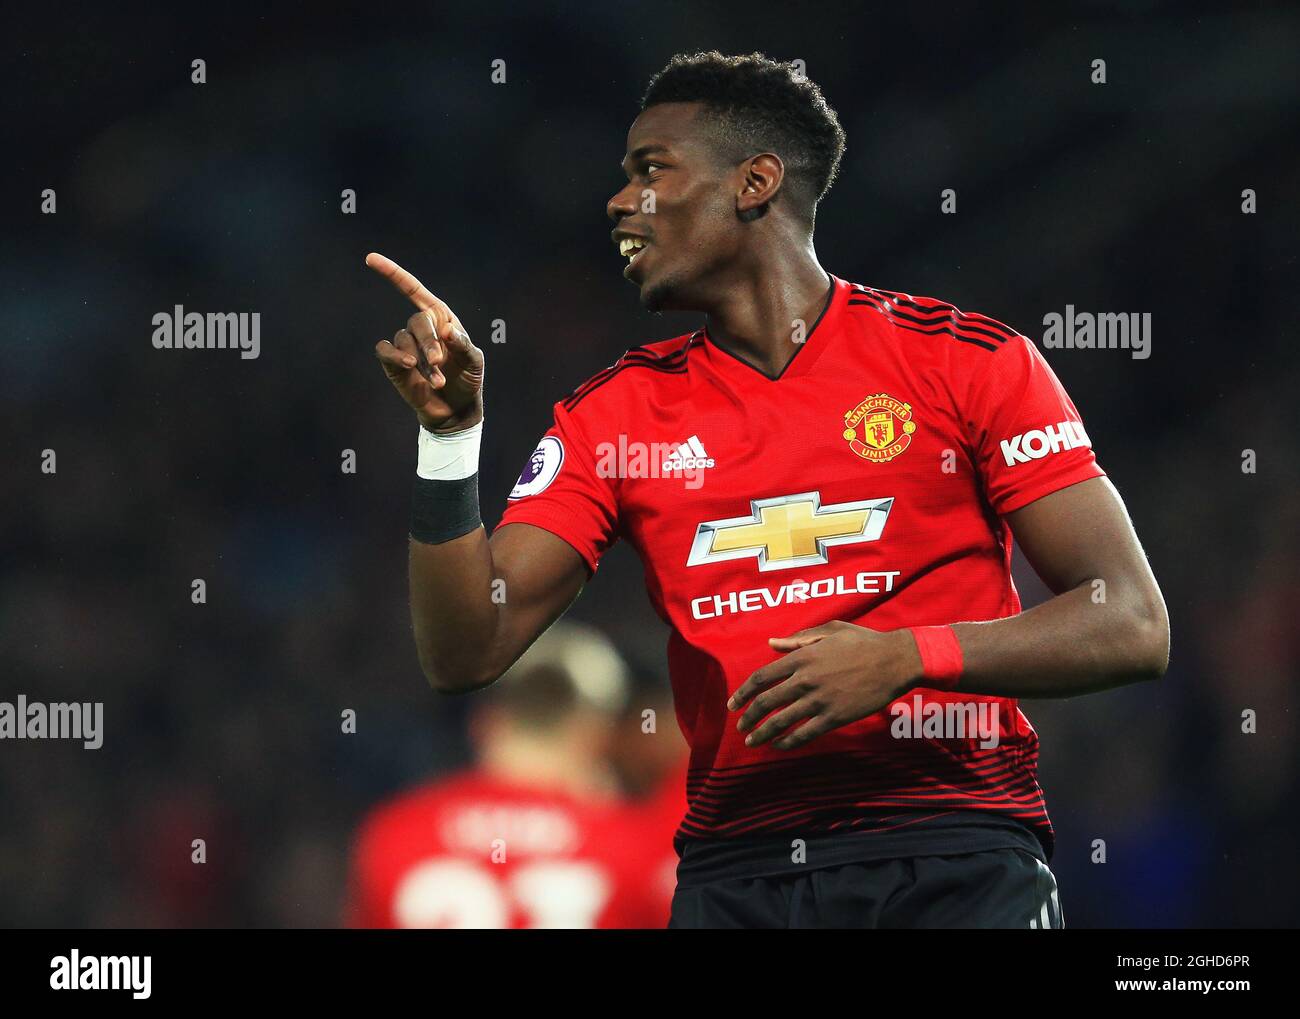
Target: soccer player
[533, 835]
[823, 483]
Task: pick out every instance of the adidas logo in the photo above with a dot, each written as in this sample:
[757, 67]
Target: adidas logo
[688, 456]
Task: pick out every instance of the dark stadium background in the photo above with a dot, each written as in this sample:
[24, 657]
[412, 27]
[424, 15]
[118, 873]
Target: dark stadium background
[222, 720]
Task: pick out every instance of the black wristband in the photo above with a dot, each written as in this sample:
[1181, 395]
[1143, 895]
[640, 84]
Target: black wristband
[443, 510]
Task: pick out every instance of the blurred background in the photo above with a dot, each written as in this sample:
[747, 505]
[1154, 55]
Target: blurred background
[223, 720]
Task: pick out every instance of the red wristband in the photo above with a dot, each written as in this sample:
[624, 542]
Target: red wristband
[941, 662]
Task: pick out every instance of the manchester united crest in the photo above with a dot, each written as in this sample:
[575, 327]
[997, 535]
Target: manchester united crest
[879, 428]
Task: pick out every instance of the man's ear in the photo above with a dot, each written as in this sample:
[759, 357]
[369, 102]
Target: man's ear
[764, 175]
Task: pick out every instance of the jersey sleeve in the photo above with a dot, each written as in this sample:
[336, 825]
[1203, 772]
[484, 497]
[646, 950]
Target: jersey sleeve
[561, 490]
[1026, 434]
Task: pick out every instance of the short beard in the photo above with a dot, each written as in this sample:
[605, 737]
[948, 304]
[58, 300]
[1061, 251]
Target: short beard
[672, 293]
[656, 298]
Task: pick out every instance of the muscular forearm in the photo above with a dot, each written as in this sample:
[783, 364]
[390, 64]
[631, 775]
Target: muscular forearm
[1091, 636]
[478, 603]
[1075, 643]
[453, 615]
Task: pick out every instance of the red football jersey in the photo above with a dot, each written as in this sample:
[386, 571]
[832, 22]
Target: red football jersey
[475, 852]
[867, 483]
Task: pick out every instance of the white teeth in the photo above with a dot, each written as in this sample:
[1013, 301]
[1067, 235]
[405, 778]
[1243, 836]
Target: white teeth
[629, 246]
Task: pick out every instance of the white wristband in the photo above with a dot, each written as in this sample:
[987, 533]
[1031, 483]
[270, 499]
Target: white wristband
[449, 456]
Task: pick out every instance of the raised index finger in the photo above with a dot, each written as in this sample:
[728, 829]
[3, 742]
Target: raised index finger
[416, 291]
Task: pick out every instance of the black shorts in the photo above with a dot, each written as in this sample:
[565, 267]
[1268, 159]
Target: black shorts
[994, 888]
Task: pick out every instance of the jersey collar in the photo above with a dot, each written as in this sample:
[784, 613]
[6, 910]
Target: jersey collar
[802, 360]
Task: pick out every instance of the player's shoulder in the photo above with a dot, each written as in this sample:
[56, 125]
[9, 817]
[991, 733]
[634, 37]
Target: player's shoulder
[955, 336]
[637, 371]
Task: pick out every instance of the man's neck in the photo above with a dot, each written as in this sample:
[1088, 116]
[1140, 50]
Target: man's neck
[768, 311]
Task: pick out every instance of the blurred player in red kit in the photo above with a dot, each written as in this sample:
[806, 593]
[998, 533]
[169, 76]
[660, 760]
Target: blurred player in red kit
[535, 835]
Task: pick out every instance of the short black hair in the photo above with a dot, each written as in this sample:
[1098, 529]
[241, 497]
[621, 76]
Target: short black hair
[760, 105]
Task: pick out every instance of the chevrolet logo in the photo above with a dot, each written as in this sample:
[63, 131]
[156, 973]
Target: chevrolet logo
[788, 531]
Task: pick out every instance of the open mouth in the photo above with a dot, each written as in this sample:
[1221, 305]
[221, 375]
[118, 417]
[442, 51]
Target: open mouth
[633, 249]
